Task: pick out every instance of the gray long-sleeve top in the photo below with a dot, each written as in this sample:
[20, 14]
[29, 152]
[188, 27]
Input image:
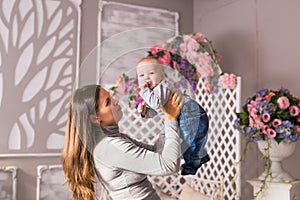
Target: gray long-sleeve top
[123, 163]
[156, 98]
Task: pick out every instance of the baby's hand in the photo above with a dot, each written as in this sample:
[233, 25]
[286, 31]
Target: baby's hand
[142, 108]
[146, 85]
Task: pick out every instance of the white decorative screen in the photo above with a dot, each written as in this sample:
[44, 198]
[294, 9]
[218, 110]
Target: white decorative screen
[39, 42]
[223, 144]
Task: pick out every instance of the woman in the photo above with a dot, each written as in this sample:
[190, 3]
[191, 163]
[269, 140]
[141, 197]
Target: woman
[95, 147]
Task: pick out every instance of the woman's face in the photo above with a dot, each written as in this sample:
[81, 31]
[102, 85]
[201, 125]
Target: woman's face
[109, 110]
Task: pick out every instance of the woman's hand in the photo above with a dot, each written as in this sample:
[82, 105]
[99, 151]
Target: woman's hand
[173, 106]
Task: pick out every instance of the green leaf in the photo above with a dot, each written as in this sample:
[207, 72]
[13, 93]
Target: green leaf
[243, 117]
[278, 140]
[161, 53]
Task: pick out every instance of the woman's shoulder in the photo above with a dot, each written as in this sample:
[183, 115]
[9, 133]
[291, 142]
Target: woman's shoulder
[112, 143]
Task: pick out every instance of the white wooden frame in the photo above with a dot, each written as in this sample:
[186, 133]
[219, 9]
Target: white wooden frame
[12, 172]
[107, 58]
[41, 170]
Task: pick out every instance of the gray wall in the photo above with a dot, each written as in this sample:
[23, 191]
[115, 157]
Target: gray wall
[27, 172]
[259, 41]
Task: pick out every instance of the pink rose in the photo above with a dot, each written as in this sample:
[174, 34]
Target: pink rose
[265, 129]
[283, 102]
[192, 45]
[199, 37]
[266, 117]
[165, 59]
[155, 49]
[183, 47]
[294, 111]
[271, 133]
[192, 57]
[276, 122]
[207, 70]
[227, 81]
[204, 59]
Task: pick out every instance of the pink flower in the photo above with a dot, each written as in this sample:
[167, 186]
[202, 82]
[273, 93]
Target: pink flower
[276, 122]
[192, 45]
[283, 102]
[271, 133]
[265, 129]
[199, 37]
[251, 109]
[183, 47]
[155, 49]
[227, 81]
[207, 70]
[294, 111]
[192, 56]
[269, 96]
[204, 59]
[266, 117]
[218, 57]
[297, 128]
[165, 59]
[121, 87]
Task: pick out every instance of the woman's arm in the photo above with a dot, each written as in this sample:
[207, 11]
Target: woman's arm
[122, 153]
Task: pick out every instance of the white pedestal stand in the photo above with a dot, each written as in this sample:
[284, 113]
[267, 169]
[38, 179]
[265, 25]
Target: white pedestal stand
[277, 191]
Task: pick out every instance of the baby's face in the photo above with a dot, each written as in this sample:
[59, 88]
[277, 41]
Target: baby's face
[150, 73]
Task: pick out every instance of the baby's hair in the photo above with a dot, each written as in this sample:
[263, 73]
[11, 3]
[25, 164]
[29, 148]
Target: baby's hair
[148, 58]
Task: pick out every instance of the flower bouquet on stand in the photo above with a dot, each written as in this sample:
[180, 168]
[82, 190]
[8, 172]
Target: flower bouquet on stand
[272, 119]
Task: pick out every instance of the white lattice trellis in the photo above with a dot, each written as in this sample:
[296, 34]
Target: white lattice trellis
[223, 144]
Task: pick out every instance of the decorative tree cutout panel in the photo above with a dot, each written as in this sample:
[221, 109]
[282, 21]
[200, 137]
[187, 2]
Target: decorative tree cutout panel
[38, 64]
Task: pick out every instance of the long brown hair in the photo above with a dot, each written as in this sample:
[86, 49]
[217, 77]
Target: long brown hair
[77, 159]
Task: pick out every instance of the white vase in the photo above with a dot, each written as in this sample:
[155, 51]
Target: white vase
[278, 152]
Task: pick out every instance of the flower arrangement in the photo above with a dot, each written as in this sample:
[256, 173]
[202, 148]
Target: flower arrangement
[270, 114]
[192, 56]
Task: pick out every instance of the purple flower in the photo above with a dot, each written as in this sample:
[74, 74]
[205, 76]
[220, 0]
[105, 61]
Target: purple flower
[184, 64]
[284, 91]
[194, 86]
[137, 101]
[262, 92]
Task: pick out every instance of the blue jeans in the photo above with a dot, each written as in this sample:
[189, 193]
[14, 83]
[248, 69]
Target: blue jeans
[193, 124]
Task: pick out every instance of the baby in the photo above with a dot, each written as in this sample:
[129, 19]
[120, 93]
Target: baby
[193, 120]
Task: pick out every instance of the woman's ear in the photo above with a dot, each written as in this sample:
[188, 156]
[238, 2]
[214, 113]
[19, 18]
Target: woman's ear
[95, 119]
